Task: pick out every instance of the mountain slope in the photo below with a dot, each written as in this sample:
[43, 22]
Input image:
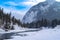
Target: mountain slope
[46, 10]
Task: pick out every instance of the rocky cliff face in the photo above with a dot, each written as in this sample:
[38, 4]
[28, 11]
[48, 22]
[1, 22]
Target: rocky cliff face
[49, 9]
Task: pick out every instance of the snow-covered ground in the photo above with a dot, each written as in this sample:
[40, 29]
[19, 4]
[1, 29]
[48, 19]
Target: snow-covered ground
[45, 34]
[32, 34]
[50, 34]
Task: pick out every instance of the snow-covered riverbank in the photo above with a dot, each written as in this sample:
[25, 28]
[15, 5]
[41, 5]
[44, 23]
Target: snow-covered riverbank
[32, 34]
[47, 34]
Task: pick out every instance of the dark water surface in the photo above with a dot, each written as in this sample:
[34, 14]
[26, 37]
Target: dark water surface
[9, 35]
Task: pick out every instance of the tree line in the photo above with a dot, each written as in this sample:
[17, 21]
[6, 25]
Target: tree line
[7, 20]
[42, 23]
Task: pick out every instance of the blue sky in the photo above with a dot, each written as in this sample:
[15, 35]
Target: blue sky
[18, 6]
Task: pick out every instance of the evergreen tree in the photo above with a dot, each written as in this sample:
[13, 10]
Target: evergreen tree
[54, 23]
[8, 20]
[45, 23]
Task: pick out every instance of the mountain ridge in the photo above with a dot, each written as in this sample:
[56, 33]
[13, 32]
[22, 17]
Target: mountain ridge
[42, 10]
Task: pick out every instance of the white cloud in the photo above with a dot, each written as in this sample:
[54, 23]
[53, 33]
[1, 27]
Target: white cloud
[58, 0]
[32, 2]
[29, 2]
[20, 3]
[13, 10]
[17, 13]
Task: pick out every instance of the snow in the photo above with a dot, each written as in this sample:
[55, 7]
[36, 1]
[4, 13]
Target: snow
[58, 27]
[50, 1]
[30, 17]
[50, 34]
[41, 8]
[1, 31]
[16, 27]
[45, 34]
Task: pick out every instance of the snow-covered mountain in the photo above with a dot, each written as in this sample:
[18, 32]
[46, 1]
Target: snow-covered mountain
[50, 9]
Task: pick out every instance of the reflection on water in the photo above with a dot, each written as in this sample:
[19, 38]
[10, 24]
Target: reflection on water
[6, 36]
[9, 35]
[21, 35]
